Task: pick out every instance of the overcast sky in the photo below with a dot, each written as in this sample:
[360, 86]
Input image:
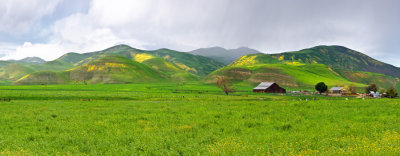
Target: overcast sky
[50, 28]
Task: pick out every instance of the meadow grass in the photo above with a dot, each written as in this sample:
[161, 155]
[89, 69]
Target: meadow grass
[190, 119]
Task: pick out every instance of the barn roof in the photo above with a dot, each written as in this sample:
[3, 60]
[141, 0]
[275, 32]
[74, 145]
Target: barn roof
[264, 85]
[336, 88]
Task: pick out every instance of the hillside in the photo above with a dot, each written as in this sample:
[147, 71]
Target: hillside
[287, 75]
[303, 76]
[173, 65]
[335, 65]
[225, 56]
[113, 69]
[30, 60]
[194, 64]
[108, 69]
[44, 78]
[339, 57]
[333, 56]
[34, 60]
[174, 71]
[14, 71]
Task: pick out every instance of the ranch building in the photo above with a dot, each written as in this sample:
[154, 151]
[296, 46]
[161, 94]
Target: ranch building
[269, 87]
[336, 90]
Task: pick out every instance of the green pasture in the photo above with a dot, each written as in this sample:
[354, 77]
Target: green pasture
[191, 119]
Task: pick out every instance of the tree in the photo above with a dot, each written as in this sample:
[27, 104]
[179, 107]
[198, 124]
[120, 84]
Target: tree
[321, 87]
[391, 93]
[372, 87]
[225, 85]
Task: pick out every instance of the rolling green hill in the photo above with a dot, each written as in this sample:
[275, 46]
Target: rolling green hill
[381, 80]
[333, 56]
[44, 78]
[292, 76]
[194, 64]
[55, 65]
[172, 65]
[334, 65]
[303, 76]
[115, 69]
[14, 71]
[174, 71]
[339, 57]
[107, 69]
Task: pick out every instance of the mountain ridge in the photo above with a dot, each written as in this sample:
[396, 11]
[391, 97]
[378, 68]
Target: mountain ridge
[336, 65]
[333, 56]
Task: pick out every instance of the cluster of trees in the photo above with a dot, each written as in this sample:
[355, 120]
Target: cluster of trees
[390, 93]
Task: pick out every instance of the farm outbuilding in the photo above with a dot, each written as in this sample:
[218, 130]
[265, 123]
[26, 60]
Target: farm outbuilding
[336, 90]
[269, 87]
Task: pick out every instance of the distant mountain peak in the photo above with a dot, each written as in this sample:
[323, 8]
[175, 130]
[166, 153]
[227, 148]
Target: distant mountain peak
[35, 60]
[245, 48]
[225, 56]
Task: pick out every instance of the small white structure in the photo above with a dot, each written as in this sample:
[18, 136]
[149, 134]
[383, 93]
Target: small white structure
[375, 94]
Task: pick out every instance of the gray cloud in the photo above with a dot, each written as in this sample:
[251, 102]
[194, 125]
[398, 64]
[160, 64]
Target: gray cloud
[266, 25]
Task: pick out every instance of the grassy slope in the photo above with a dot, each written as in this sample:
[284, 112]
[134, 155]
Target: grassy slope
[118, 69]
[339, 57]
[381, 80]
[110, 69]
[44, 77]
[201, 65]
[292, 76]
[170, 69]
[14, 71]
[194, 64]
[254, 59]
[55, 65]
[300, 68]
[74, 58]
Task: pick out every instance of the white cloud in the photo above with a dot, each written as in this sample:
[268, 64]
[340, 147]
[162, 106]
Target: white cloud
[18, 16]
[29, 50]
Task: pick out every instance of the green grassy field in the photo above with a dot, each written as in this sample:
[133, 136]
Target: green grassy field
[190, 119]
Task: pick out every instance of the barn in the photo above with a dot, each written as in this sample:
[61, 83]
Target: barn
[336, 90]
[269, 87]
